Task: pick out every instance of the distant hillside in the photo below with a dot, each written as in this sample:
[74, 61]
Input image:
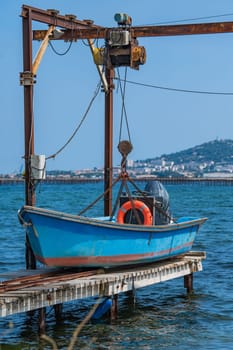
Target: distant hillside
[219, 151]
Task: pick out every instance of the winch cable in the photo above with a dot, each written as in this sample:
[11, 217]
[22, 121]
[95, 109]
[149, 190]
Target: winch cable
[123, 109]
[97, 90]
[125, 176]
[123, 185]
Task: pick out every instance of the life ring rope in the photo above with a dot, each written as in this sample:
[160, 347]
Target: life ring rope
[137, 205]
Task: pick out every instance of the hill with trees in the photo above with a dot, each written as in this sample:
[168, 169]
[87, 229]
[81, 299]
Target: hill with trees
[209, 157]
[218, 151]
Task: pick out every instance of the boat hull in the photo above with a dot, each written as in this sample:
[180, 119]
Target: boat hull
[60, 239]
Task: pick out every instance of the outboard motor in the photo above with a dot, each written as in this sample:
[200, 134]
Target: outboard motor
[161, 211]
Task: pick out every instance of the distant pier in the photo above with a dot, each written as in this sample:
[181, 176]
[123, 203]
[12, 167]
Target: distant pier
[221, 181]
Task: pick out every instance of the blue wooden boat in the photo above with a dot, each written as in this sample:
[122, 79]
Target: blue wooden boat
[60, 239]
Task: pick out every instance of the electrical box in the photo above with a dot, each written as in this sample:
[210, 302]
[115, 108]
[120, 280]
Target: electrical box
[38, 167]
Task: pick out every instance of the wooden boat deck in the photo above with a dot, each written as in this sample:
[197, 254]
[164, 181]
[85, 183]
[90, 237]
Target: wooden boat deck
[33, 289]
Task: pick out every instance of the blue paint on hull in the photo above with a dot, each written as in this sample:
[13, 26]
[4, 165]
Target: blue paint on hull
[59, 239]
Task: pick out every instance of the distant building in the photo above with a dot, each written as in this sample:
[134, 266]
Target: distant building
[130, 163]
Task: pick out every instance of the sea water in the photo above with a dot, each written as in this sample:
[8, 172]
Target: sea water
[163, 316]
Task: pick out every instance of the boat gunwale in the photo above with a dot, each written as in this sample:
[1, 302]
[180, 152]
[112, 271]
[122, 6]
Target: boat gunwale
[109, 224]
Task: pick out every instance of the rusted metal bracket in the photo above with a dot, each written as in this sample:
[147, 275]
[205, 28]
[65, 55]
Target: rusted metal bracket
[27, 78]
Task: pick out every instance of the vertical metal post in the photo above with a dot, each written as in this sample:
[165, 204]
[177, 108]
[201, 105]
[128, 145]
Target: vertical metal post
[188, 283]
[28, 124]
[108, 146]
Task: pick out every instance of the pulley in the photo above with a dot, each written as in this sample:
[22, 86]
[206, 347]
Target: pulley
[125, 147]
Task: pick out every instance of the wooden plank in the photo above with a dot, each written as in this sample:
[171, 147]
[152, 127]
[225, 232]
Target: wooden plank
[24, 273]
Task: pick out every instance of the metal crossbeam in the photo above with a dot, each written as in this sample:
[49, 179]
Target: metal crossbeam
[52, 17]
[148, 31]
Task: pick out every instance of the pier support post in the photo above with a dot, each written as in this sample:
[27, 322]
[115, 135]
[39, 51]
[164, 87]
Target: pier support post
[188, 283]
[42, 323]
[114, 307]
[58, 311]
[131, 294]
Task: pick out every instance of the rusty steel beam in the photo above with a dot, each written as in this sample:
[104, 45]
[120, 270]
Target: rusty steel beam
[146, 31]
[74, 34]
[52, 17]
[28, 109]
[28, 126]
[184, 29]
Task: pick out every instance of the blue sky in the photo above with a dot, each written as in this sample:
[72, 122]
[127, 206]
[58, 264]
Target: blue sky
[160, 121]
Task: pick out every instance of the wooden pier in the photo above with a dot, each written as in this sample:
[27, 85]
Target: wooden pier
[28, 290]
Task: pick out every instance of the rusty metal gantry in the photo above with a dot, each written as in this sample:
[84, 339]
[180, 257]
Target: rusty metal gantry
[72, 29]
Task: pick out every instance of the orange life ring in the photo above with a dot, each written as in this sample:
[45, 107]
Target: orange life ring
[142, 207]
